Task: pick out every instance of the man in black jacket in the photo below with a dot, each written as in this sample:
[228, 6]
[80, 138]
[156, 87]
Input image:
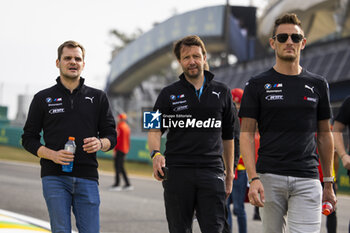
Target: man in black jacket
[198, 113]
[70, 109]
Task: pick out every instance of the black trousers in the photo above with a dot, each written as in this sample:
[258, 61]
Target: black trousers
[119, 168]
[199, 190]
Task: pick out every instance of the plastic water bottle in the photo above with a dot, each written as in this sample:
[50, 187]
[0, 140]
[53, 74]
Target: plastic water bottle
[327, 208]
[69, 146]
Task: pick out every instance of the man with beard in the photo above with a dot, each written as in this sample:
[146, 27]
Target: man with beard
[290, 105]
[198, 144]
[70, 109]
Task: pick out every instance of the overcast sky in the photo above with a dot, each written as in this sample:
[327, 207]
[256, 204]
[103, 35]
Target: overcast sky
[31, 31]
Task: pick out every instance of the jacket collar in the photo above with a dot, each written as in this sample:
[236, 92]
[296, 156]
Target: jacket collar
[208, 78]
[60, 85]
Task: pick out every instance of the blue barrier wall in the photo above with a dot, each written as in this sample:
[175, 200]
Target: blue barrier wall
[11, 136]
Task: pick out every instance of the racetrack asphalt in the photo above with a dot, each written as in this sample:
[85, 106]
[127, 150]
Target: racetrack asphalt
[140, 210]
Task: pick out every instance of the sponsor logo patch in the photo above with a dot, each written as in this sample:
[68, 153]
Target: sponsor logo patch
[175, 97]
[180, 108]
[310, 99]
[274, 97]
[267, 86]
[48, 100]
[58, 104]
[216, 93]
[56, 110]
[181, 96]
[90, 98]
[277, 85]
[179, 102]
[310, 88]
[274, 91]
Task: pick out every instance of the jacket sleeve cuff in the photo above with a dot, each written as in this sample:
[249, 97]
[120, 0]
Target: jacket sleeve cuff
[112, 140]
[34, 148]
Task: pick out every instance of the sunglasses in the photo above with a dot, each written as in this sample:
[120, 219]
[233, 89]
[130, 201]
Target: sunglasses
[283, 37]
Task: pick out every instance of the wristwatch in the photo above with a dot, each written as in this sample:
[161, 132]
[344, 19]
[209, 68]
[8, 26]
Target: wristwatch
[153, 153]
[328, 179]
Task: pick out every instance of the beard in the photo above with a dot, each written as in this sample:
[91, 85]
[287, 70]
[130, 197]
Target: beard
[287, 58]
[192, 74]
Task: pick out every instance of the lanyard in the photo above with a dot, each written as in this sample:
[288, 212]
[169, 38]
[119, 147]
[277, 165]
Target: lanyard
[199, 93]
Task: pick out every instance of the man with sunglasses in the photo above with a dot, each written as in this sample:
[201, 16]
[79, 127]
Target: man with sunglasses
[290, 105]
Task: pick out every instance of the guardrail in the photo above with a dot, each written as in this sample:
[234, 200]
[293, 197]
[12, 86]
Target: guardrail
[11, 136]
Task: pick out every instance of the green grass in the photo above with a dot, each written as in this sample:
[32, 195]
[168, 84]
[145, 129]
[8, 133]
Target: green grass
[17, 154]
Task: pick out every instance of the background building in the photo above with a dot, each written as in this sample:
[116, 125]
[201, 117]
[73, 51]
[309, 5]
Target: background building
[237, 44]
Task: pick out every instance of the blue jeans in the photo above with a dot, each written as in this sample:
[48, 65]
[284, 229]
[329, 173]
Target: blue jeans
[63, 192]
[237, 197]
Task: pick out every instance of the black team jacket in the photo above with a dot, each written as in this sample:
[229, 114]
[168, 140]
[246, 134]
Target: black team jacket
[58, 114]
[196, 126]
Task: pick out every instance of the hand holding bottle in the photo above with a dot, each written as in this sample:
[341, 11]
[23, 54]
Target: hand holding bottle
[327, 208]
[69, 146]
